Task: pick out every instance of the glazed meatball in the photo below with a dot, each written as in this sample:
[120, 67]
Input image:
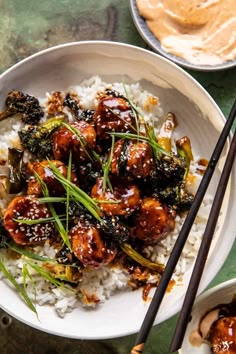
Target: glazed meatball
[64, 142]
[44, 171]
[28, 208]
[223, 336]
[89, 246]
[153, 221]
[126, 194]
[132, 159]
[113, 113]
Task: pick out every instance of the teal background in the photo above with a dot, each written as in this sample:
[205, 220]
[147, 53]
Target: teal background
[27, 26]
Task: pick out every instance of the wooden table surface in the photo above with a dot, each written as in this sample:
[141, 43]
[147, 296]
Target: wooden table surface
[27, 26]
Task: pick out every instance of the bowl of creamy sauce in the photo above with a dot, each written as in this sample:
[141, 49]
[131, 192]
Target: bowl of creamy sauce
[194, 33]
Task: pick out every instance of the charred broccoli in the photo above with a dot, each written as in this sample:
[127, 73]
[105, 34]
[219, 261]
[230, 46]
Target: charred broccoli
[167, 181]
[177, 197]
[77, 210]
[64, 256]
[27, 106]
[38, 139]
[114, 229]
[88, 174]
[169, 171]
[73, 105]
[4, 237]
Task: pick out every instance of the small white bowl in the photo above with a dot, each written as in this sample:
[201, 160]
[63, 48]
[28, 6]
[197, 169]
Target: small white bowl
[199, 118]
[220, 294]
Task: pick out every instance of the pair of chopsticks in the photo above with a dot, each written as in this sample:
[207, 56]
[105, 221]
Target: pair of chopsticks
[203, 250]
[183, 235]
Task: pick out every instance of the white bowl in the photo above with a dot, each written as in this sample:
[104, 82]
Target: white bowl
[220, 294]
[199, 117]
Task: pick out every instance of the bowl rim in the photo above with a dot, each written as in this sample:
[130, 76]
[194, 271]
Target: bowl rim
[209, 292]
[114, 43]
[155, 44]
[184, 74]
[121, 44]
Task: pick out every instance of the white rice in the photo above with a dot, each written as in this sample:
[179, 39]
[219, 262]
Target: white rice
[103, 282]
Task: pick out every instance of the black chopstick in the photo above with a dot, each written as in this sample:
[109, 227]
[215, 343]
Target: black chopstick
[203, 251]
[177, 249]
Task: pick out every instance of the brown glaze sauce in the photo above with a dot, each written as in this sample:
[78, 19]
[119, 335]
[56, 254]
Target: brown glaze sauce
[202, 163]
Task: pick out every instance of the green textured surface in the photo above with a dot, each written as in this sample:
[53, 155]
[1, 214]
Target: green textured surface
[27, 26]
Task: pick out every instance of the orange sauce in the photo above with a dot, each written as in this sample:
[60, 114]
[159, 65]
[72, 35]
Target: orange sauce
[202, 163]
[170, 286]
[200, 31]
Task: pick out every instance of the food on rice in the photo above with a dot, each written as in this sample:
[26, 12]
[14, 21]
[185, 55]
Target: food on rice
[103, 196]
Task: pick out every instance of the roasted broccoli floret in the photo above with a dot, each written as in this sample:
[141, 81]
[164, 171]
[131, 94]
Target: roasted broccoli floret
[170, 170]
[168, 179]
[27, 106]
[38, 139]
[88, 173]
[86, 115]
[168, 182]
[77, 210]
[115, 229]
[64, 256]
[4, 237]
[73, 105]
[177, 197]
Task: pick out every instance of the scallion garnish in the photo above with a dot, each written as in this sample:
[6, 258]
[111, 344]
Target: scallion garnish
[78, 194]
[80, 137]
[126, 248]
[68, 191]
[37, 221]
[59, 225]
[51, 200]
[26, 274]
[23, 252]
[45, 274]
[106, 180]
[20, 250]
[92, 155]
[135, 110]
[21, 290]
[120, 118]
[150, 140]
